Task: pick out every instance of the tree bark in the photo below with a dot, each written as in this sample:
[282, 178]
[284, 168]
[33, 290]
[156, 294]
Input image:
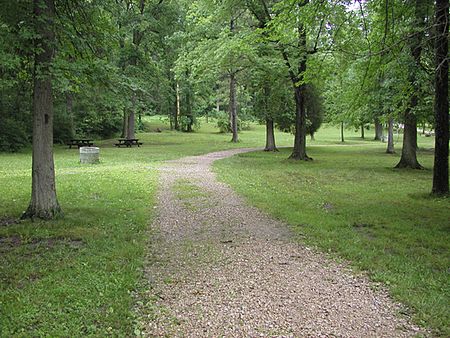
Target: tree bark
[362, 131]
[124, 124]
[342, 132]
[44, 203]
[189, 113]
[440, 171]
[299, 151]
[409, 149]
[233, 108]
[390, 145]
[270, 136]
[378, 130]
[177, 110]
[131, 122]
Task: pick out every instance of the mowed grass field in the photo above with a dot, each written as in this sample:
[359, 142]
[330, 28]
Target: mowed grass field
[351, 203]
[76, 276]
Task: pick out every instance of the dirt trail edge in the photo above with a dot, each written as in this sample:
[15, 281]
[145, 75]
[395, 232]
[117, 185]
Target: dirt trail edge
[222, 268]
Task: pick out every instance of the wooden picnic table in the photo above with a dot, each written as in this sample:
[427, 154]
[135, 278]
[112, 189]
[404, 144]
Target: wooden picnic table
[128, 142]
[80, 143]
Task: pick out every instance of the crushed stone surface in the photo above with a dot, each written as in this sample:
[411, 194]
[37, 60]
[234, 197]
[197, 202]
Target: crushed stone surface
[221, 268]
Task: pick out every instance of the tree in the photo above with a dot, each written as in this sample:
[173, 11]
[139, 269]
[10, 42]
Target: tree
[44, 203]
[409, 149]
[440, 171]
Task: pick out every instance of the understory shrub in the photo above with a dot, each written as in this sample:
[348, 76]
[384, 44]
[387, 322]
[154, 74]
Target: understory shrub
[13, 135]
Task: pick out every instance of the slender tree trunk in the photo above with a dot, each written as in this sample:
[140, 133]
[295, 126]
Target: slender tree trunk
[342, 132]
[189, 114]
[440, 171]
[362, 131]
[177, 110]
[44, 203]
[124, 124]
[409, 149]
[270, 136]
[131, 123]
[233, 108]
[378, 130]
[390, 145]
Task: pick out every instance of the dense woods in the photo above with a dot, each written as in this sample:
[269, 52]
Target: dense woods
[94, 68]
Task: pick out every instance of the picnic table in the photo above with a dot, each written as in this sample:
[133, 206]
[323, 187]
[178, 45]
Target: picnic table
[128, 142]
[80, 143]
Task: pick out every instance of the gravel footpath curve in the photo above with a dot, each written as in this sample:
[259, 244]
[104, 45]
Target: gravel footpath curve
[222, 268]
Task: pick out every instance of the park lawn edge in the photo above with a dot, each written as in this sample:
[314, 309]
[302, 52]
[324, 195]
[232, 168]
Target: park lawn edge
[256, 182]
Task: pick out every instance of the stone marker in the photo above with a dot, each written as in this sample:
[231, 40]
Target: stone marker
[89, 155]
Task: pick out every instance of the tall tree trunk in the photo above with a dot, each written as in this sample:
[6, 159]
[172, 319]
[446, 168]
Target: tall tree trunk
[342, 132]
[233, 108]
[440, 171]
[362, 131]
[177, 110]
[299, 151]
[44, 203]
[409, 149]
[233, 100]
[131, 122]
[378, 130]
[189, 113]
[270, 131]
[390, 145]
[270, 136]
[124, 124]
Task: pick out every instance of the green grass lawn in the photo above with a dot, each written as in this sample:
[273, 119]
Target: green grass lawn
[76, 276]
[350, 202]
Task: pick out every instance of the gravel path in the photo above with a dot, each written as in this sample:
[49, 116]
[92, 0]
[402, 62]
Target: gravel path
[222, 268]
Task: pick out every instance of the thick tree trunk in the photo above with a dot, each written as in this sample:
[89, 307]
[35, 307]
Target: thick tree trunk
[233, 108]
[440, 171]
[378, 130]
[409, 149]
[390, 145]
[299, 151]
[362, 131]
[44, 203]
[270, 136]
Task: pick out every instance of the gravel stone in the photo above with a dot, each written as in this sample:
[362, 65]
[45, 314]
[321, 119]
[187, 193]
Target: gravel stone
[221, 268]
